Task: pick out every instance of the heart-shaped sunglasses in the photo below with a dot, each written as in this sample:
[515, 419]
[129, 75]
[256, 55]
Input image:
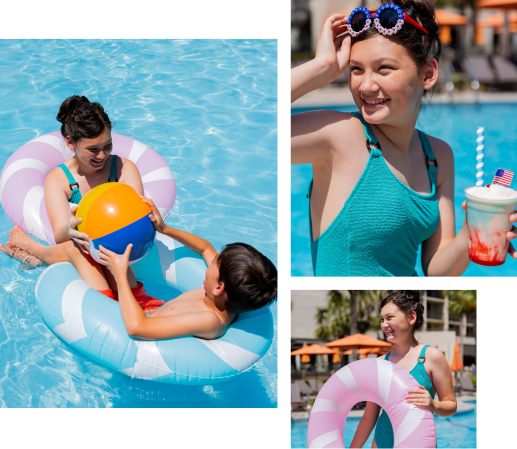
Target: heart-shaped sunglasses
[388, 20]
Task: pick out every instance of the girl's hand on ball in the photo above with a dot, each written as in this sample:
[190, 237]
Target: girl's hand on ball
[155, 216]
[116, 263]
[79, 237]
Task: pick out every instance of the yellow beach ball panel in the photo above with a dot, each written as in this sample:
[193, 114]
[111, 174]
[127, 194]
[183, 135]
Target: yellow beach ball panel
[108, 208]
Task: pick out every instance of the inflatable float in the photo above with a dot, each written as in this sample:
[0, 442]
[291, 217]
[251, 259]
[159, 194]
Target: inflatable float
[373, 380]
[89, 321]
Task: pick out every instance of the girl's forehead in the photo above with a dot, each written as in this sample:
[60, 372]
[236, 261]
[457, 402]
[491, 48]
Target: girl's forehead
[377, 47]
[390, 308]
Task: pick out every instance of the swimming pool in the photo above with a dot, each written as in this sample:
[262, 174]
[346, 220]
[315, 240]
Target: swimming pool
[209, 107]
[456, 125]
[455, 431]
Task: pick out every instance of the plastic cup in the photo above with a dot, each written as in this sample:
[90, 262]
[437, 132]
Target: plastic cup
[488, 222]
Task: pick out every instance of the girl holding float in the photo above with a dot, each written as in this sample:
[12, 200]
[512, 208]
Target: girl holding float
[410, 383]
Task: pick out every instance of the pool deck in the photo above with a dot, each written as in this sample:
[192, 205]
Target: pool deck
[341, 96]
[465, 405]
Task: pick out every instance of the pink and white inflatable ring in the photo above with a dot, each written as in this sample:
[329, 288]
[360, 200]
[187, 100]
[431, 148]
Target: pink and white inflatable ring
[373, 380]
[23, 176]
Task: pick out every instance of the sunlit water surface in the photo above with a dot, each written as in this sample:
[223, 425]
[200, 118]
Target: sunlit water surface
[210, 109]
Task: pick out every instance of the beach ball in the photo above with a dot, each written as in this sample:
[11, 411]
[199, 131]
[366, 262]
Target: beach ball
[114, 216]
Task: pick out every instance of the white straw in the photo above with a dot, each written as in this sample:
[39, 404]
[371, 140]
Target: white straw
[480, 155]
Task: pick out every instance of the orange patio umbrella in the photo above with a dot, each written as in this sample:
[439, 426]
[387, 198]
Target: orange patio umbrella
[358, 341]
[497, 4]
[447, 19]
[365, 351]
[315, 349]
[306, 358]
[457, 363]
[497, 21]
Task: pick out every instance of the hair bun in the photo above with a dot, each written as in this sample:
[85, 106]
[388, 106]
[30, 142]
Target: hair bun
[413, 295]
[69, 105]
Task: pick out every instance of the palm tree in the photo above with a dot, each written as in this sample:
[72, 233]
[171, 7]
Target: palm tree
[462, 303]
[347, 314]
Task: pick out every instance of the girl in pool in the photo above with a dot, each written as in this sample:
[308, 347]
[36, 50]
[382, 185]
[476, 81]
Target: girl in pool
[87, 130]
[402, 315]
[372, 205]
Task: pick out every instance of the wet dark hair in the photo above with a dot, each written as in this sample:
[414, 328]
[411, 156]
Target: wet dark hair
[250, 278]
[80, 118]
[408, 301]
[420, 46]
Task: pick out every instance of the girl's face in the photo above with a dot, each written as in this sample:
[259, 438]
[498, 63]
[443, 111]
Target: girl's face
[396, 324]
[385, 81]
[92, 152]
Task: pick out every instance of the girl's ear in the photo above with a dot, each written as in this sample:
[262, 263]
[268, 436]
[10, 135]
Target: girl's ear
[431, 72]
[70, 143]
[412, 318]
[219, 290]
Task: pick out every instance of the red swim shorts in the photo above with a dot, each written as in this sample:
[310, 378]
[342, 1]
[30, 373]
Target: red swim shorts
[146, 302]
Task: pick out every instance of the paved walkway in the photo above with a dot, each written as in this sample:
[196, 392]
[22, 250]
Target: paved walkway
[464, 406]
[340, 96]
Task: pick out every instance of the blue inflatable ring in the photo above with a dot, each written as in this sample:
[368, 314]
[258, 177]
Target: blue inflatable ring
[91, 323]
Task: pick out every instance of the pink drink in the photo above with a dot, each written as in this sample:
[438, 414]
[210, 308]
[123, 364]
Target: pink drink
[488, 211]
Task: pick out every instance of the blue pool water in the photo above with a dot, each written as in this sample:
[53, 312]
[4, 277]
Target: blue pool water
[210, 109]
[455, 431]
[456, 125]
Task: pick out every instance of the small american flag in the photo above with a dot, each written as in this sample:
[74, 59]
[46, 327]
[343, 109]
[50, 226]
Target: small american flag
[503, 177]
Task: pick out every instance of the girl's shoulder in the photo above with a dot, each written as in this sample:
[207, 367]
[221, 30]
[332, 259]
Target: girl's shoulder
[433, 355]
[326, 118]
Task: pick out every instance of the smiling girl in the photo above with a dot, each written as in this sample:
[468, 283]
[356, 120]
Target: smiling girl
[373, 204]
[402, 315]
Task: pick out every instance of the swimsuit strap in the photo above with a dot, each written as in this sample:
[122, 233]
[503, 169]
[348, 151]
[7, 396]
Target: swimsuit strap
[422, 354]
[71, 179]
[370, 137]
[113, 169]
[387, 355]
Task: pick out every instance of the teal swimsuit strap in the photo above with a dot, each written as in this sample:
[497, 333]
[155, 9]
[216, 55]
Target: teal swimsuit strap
[370, 136]
[432, 169]
[422, 354]
[71, 180]
[113, 169]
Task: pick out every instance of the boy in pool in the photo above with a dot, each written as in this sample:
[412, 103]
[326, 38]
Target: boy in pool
[238, 279]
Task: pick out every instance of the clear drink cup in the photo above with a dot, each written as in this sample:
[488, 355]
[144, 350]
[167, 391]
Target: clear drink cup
[488, 212]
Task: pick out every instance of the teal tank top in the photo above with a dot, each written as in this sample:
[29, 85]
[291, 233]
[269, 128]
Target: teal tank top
[76, 194]
[382, 223]
[384, 430]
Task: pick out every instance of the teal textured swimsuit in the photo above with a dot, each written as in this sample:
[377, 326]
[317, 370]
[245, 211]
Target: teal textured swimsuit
[381, 225]
[76, 194]
[384, 430]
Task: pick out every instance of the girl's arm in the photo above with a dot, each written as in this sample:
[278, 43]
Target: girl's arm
[366, 425]
[442, 382]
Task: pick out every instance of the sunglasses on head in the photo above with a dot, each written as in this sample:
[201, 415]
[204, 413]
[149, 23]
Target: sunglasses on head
[388, 20]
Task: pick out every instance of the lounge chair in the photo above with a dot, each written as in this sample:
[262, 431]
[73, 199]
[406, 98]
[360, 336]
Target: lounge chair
[478, 67]
[296, 398]
[305, 389]
[315, 386]
[466, 384]
[505, 70]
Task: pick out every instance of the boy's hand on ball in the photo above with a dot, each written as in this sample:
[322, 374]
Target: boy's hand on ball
[155, 216]
[116, 263]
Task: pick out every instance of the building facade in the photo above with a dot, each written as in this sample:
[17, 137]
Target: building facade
[441, 328]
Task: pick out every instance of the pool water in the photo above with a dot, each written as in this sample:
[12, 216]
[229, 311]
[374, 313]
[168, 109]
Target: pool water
[209, 107]
[455, 431]
[456, 125]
